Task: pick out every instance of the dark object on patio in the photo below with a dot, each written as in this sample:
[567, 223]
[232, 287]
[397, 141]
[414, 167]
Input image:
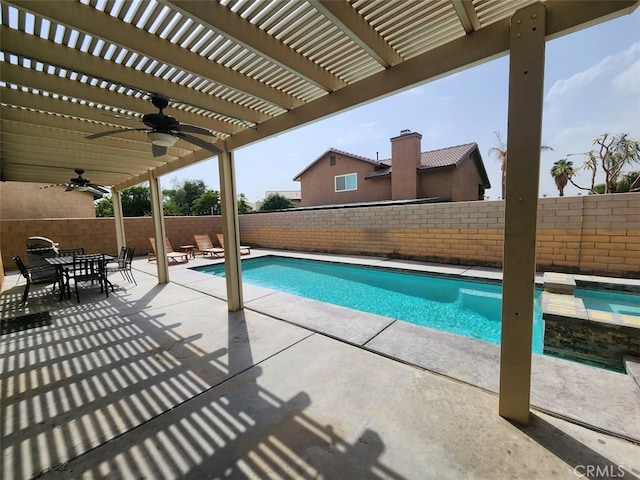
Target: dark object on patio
[70, 252]
[122, 256]
[124, 264]
[25, 322]
[88, 268]
[127, 265]
[36, 275]
[39, 248]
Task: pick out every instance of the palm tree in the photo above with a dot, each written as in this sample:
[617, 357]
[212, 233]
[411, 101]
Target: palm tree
[501, 155]
[561, 172]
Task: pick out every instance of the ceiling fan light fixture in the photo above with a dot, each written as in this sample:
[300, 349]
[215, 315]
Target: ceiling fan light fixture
[162, 139]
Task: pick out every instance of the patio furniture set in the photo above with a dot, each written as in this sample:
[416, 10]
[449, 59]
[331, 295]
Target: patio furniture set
[73, 265]
[203, 245]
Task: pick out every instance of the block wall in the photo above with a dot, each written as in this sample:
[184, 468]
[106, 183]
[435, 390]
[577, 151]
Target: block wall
[99, 235]
[598, 234]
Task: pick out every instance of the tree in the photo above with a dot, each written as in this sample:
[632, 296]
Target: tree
[501, 155]
[185, 194]
[136, 201]
[243, 204]
[561, 172]
[207, 204]
[104, 207]
[615, 153]
[630, 182]
[612, 155]
[170, 207]
[275, 201]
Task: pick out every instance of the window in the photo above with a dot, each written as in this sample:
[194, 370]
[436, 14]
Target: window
[332, 160]
[346, 182]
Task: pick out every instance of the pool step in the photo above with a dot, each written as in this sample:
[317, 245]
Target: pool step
[562, 283]
[484, 303]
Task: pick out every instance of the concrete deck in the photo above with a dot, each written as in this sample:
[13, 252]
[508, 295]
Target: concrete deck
[161, 382]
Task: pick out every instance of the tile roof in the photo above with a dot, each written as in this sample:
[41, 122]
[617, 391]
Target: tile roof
[441, 158]
[446, 157]
[339, 152]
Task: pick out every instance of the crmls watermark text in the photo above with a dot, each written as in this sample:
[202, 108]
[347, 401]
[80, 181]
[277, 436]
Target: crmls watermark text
[599, 471]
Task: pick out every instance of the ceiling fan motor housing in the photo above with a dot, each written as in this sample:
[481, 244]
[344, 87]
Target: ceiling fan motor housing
[160, 122]
[162, 139]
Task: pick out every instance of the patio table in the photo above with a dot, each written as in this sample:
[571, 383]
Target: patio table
[60, 263]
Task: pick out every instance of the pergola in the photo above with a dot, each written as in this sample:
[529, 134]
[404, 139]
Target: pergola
[246, 70]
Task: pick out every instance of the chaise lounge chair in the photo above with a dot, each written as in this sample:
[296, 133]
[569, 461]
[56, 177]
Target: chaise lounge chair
[244, 249]
[172, 255]
[205, 246]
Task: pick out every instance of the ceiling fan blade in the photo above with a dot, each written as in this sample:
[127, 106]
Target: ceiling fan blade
[93, 190]
[184, 127]
[113, 132]
[199, 142]
[122, 117]
[69, 188]
[158, 150]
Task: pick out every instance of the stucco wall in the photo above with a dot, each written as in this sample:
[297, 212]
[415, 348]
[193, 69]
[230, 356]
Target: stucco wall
[318, 185]
[597, 234]
[436, 183]
[30, 200]
[405, 152]
[466, 180]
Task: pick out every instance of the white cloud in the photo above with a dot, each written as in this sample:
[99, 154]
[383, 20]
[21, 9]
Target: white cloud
[581, 80]
[578, 81]
[627, 81]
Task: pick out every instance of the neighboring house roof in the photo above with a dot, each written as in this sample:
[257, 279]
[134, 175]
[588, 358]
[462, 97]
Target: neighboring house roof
[339, 152]
[290, 194]
[441, 158]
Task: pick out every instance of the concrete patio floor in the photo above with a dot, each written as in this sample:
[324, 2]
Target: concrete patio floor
[161, 382]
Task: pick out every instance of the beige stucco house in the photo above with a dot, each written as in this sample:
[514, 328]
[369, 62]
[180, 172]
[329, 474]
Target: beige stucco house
[448, 174]
[29, 200]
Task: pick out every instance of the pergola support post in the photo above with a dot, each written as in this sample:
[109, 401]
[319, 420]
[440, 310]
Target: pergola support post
[526, 82]
[119, 218]
[230, 231]
[158, 228]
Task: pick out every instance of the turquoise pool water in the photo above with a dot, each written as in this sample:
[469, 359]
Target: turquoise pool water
[468, 308]
[612, 302]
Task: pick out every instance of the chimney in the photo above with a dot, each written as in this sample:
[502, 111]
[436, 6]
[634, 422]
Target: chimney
[405, 158]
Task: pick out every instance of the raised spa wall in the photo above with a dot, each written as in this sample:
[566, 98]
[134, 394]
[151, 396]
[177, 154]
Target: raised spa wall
[574, 332]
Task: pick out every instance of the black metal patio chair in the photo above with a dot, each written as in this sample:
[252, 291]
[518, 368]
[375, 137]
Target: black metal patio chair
[70, 252]
[88, 268]
[44, 275]
[123, 264]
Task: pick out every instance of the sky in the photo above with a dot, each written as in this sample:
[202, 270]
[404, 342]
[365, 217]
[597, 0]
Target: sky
[592, 86]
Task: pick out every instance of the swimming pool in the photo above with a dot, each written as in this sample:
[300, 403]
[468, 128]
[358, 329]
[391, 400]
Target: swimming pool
[463, 307]
[612, 302]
